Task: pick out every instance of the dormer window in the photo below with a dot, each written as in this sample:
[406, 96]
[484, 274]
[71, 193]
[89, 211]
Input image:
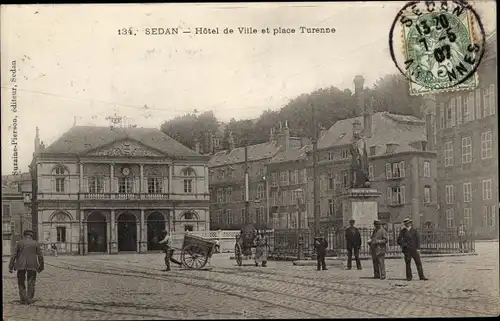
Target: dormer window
[344, 153]
[373, 150]
[330, 156]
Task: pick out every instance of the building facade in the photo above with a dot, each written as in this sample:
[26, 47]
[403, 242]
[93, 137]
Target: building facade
[108, 189]
[227, 181]
[402, 166]
[16, 212]
[467, 133]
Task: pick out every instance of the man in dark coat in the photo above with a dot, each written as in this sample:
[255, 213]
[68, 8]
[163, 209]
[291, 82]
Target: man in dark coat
[320, 244]
[378, 246]
[27, 260]
[353, 242]
[409, 241]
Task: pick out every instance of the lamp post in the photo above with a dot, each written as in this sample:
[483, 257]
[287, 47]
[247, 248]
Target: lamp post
[298, 196]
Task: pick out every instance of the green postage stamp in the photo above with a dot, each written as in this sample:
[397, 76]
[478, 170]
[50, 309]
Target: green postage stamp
[438, 46]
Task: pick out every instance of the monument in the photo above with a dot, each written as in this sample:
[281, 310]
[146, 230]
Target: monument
[359, 203]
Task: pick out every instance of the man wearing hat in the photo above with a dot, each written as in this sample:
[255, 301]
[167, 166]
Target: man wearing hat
[27, 260]
[353, 242]
[409, 241]
[377, 249]
[320, 244]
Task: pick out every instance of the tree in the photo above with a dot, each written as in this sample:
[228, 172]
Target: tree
[391, 93]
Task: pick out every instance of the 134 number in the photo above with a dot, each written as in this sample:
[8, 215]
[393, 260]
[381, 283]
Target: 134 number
[126, 32]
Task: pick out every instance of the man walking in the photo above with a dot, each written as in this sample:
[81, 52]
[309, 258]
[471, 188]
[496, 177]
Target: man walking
[169, 252]
[353, 242]
[409, 241]
[320, 244]
[27, 260]
[377, 250]
[461, 237]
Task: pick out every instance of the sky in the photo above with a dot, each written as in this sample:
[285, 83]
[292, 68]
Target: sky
[72, 65]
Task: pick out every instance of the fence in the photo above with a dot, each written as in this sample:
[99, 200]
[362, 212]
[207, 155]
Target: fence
[284, 244]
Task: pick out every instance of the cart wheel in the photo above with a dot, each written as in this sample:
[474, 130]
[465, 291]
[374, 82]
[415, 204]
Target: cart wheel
[238, 254]
[194, 257]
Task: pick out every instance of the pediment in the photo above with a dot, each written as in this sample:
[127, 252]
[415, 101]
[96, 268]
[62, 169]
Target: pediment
[125, 148]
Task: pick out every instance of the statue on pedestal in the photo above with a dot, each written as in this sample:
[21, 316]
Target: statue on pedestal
[359, 162]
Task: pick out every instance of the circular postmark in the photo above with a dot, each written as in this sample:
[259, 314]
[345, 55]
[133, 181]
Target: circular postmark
[437, 46]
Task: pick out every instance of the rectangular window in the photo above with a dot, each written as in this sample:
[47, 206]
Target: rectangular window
[398, 195]
[479, 113]
[284, 180]
[450, 120]
[330, 155]
[262, 214]
[448, 153]
[188, 186]
[459, 110]
[331, 182]
[467, 114]
[388, 170]
[331, 207]
[492, 99]
[230, 218]
[229, 195]
[345, 179]
[472, 106]
[486, 102]
[294, 177]
[293, 198]
[274, 198]
[468, 217]
[466, 149]
[154, 185]
[61, 234]
[427, 194]
[490, 215]
[467, 192]
[5, 210]
[125, 185]
[450, 218]
[305, 176]
[486, 146]
[427, 169]
[60, 185]
[260, 192]
[285, 199]
[370, 172]
[442, 115]
[344, 153]
[96, 184]
[274, 179]
[449, 194]
[487, 194]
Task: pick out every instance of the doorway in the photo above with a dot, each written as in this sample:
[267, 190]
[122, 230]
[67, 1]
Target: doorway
[156, 226]
[127, 232]
[97, 232]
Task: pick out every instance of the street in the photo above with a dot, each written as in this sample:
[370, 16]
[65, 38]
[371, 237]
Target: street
[133, 286]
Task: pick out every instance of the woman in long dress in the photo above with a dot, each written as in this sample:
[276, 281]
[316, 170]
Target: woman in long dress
[261, 250]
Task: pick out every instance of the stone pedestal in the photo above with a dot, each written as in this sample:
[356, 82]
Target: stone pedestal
[114, 248]
[143, 247]
[360, 204]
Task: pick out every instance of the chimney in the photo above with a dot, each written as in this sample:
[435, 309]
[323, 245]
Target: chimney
[272, 136]
[358, 92]
[284, 136]
[428, 114]
[37, 141]
[367, 119]
[196, 145]
[230, 141]
[356, 127]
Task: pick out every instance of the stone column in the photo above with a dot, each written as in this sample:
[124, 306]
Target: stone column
[112, 179]
[81, 178]
[170, 227]
[114, 245]
[206, 179]
[81, 239]
[143, 245]
[85, 239]
[170, 170]
[138, 236]
[141, 183]
[415, 189]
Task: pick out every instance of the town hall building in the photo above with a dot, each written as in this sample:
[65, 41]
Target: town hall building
[112, 189]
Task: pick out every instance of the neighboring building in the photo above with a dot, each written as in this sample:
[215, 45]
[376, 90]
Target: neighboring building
[107, 189]
[227, 182]
[402, 165]
[16, 213]
[287, 185]
[467, 134]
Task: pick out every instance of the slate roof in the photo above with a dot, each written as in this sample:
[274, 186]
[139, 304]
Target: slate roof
[80, 139]
[291, 154]
[386, 128]
[237, 155]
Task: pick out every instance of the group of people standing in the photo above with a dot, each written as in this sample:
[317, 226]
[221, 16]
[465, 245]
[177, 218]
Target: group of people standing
[408, 239]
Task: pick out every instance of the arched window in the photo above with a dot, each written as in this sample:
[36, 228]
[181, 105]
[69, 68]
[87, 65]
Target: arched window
[190, 176]
[155, 182]
[60, 173]
[63, 226]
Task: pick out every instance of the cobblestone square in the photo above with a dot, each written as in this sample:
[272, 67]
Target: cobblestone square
[133, 286]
